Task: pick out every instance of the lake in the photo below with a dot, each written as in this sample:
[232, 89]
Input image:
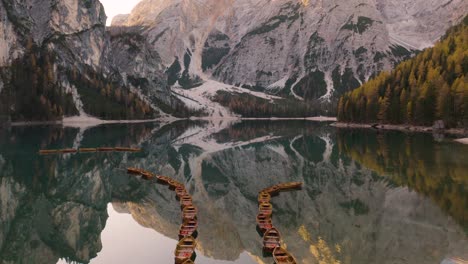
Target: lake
[368, 196]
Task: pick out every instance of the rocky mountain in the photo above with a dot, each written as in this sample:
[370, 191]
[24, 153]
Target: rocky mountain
[57, 59]
[305, 49]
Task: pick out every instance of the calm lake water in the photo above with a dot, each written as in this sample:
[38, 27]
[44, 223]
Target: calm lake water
[368, 197]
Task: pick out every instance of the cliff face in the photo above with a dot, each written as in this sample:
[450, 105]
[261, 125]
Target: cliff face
[306, 49]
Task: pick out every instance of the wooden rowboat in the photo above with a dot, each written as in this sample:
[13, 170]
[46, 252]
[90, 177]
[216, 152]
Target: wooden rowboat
[265, 208]
[282, 256]
[188, 228]
[134, 171]
[264, 197]
[173, 183]
[264, 222]
[147, 175]
[290, 186]
[185, 200]
[105, 149]
[185, 249]
[271, 240]
[87, 150]
[189, 212]
[162, 179]
[188, 261]
[48, 151]
[273, 190]
[180, 191]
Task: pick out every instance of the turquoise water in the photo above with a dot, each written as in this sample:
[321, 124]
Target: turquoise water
[368, 197]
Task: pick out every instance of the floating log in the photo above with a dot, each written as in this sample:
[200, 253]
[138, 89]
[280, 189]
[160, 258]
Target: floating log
[105, 149]
[185, 249]
[68, 150]
[188, 228]
[84, 150]
[124, 149]
[134, 171]
[271, 240]
[264, 197]
[266, 209]
[282, 256]
[189, 212]
[48, 151]
[264, 222]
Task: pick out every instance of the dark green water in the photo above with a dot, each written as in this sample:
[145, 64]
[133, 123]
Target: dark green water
[368, 197]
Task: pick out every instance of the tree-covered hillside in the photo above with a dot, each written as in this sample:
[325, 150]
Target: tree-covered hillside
[431, 86]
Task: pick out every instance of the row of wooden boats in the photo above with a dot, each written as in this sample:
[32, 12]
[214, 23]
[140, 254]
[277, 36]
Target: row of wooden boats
[185, 250]
[87, 150]
[272, 242]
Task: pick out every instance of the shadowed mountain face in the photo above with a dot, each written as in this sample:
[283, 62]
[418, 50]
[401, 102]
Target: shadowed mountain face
[388, 199]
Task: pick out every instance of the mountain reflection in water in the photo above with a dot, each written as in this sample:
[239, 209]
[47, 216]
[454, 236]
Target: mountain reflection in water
[368, 197]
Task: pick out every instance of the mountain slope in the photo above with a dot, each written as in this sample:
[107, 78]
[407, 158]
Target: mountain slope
[432, 86]
[303, 49]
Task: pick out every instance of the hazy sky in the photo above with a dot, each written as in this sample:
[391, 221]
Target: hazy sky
[115, 7]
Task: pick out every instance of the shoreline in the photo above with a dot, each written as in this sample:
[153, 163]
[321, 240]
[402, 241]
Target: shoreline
[403, 128]
[88, 121]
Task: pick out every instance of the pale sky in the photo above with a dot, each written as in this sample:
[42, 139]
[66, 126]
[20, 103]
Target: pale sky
[116, 7]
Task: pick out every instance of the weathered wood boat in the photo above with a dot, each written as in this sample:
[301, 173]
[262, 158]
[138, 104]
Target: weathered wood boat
[282, 256]
[162, 179]
[185, 249]
[147, 175]
[84, 150]
[185, 200]
[290, 186]
[188, 228]
[188, 261]
[273, 190]
[189, 212]
[265, 208]
[134, 171]
[68, 150]
[271, 240]
[180, 191]
[173, 183]
[48, 151]
[264, 222]
[264, 197]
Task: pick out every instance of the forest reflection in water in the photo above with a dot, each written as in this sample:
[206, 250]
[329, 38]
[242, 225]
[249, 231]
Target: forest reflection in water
[368, 197]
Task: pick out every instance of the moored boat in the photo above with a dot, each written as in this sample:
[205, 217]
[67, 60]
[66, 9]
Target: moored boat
[134, 171]
[188, 228]
[189, 212]
[290, 186]
[186, 200]
[271, 239]
[180, 191]
[265, 208]
[147, 175]
[264, 222]
[264, 197]
[273, 190]
[185, 249]
[173, 183]
[282, 256]
[188, 261]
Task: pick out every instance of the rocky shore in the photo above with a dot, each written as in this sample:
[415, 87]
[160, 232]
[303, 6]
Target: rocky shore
[407, 128]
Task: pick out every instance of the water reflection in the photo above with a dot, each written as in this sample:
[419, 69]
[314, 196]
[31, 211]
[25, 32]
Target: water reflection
[368, 198]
